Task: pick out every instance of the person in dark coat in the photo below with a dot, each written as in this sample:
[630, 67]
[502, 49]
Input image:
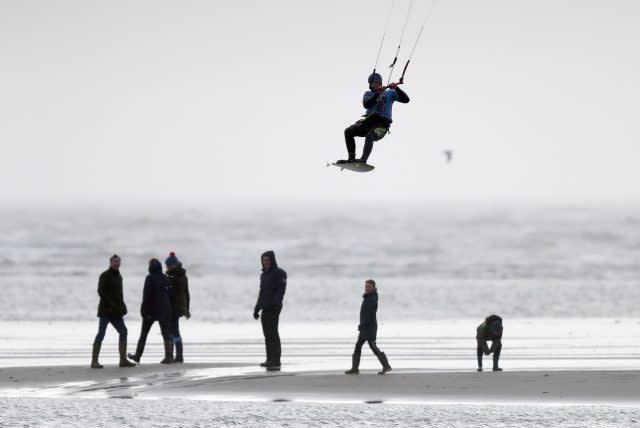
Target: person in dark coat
[156, 306]
[490, 330]
[368, 329]
[273, 284]
[180, 300]
[111, 310]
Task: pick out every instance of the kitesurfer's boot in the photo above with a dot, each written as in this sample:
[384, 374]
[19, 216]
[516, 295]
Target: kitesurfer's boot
[95, 353]
[179, 358]
[168, 352]
[122, 350]
[385, 363]
[352, 158]
[355, 363]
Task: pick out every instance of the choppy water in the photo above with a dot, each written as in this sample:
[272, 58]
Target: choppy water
[429, 263]
[177, 413]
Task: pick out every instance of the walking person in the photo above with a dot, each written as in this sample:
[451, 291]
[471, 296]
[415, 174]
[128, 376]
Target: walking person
[368, 329]
[273, 284]
[156, 306]
[111, 310]
[180, 300]
[489, 330]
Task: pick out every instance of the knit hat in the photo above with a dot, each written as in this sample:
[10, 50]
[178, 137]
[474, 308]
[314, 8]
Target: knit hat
[171, 260]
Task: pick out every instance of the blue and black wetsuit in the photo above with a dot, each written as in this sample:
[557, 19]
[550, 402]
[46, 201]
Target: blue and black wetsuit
[377, 120]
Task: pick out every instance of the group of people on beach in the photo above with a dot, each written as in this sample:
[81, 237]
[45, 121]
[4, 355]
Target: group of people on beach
[165, 299]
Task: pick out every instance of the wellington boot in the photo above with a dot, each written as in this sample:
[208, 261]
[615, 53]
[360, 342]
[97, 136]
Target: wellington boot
[355, 363]
[122, 350]
[179, 358]
[95, 354]
[168, 352]
[385, 363]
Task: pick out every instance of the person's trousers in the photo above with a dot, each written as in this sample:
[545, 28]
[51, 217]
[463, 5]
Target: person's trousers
[372, 128]
[372, 344]
[496, 347]
[144, 332]
[117, 323]
[270, 319]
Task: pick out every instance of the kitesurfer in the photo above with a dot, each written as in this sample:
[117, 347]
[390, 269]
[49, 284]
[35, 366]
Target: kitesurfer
[378, 102]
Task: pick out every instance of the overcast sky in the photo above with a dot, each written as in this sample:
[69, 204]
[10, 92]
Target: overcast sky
[245, 100]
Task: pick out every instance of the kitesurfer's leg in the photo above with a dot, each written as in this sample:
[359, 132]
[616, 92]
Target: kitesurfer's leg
[373, 135]
[479, 354]
[358, 129]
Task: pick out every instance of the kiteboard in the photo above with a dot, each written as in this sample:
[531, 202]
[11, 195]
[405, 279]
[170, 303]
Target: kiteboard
[353, 166]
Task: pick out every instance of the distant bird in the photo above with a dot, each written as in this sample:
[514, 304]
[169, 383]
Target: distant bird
[449, 155]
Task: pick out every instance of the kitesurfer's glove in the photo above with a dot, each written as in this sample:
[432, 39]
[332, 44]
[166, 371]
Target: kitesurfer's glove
[187, 314]
[256, 315]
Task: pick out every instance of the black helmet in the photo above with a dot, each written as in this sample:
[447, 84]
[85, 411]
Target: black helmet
[375, 78]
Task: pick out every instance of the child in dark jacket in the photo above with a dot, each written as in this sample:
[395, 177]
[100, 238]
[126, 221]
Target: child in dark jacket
[368, 329]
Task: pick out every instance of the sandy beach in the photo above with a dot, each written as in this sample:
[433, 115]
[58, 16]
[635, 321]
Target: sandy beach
[432, 363]
[209, 382]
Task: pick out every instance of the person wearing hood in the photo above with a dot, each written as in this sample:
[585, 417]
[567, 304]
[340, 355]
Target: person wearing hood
[156, 306]
[368, 330]
[490, 330]
[273, 284]
[180, 300]
[378, 102]
[111, 310]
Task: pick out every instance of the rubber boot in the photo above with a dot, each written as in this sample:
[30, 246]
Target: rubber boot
[95, 353]
[366, 151]
[179, 358]
[355, 363]
[168, 352]
[385, 363]
[122, 350]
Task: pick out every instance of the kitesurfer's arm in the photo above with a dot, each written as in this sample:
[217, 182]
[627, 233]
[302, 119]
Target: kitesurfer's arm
[370, 98]
[401, 96]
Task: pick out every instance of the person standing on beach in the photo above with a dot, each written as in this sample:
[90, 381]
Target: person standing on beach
[156, 306]
[368, 329]
[273, 284]
[180, 299]
[111, 310]
[490, 330]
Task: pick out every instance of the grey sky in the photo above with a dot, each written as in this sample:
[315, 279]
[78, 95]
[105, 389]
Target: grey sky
[214, 101]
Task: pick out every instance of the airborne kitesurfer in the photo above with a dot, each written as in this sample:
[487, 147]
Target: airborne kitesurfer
[378, 102]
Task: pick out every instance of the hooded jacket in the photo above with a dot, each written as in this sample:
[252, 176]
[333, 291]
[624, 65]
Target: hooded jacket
[179, 291]
[368, 323]
[484, 330]
[155, 295]
[273, 284]
[110, 291]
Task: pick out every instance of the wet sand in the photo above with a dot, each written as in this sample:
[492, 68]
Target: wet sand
[213, 382]
[578, 362]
